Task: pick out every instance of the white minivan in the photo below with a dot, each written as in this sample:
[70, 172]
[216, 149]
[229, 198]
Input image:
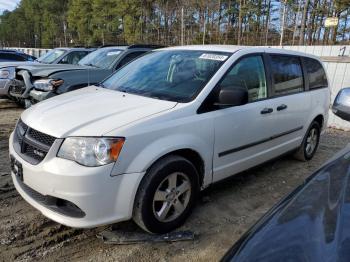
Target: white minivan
[144, 142]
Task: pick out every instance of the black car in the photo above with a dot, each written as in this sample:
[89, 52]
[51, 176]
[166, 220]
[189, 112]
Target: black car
[313, 222]
[15, 56]
[37, 82]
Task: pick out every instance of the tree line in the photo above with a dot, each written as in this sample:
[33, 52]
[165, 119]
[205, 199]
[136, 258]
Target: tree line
[52, 23]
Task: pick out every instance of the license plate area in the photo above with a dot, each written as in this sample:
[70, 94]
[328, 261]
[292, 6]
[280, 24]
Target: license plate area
[16, 167]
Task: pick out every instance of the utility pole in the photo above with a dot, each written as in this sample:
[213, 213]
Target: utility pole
[303, 22]
[296, 22]
[35, 38]
[283, 21]
[65, 33]
[267, 22]
[204, 27]
[182, 26]
[239, 23]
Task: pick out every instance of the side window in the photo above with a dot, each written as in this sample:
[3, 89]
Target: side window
[249, 74]
[129, 57]
[73, 57]
[316, 73]
[287, 74]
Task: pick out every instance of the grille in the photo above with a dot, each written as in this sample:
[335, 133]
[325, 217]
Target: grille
[17, 87]
[22, 125]
[21, 129]
[34, 153]
[31, 144]
[41, 137]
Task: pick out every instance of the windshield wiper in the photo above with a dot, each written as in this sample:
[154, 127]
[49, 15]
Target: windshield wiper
[101, 85]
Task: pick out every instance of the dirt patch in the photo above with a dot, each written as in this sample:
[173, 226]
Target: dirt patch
[223, 213]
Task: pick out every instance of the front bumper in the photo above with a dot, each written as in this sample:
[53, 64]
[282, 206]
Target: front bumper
[38, 96]
[19, 88]
[104, 199]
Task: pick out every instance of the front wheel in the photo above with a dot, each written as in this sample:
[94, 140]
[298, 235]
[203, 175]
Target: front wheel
[166, 195]
[310, 143]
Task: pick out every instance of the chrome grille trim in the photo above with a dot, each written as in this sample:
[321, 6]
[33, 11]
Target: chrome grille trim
[32, 145]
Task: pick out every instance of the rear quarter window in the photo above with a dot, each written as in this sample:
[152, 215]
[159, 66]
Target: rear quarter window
[287, 74]
[316, 74]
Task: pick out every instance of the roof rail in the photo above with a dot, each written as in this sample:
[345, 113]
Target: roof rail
[145, 46]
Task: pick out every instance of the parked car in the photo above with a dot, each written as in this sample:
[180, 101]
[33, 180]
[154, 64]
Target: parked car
[311, 223]
[10, 56]
[7, 55]
[39, 82]
[54, 56]
[144, 142]
[65, 55]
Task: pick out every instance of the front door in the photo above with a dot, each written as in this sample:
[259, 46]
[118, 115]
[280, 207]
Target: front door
[242, 133]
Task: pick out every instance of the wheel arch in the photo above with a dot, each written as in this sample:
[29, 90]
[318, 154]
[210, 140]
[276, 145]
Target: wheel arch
[191, 155]
[144, 155]
[319, 119]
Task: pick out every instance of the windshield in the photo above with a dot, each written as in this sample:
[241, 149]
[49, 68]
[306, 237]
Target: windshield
[101, 58]
[174, 75]
[51, 56]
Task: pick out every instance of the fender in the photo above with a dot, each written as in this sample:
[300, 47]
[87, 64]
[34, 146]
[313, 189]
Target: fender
[152, 152]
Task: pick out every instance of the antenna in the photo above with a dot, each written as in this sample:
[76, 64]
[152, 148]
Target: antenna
[89, 76]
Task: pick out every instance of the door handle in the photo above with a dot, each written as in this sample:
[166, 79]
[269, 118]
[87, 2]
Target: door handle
[281, 107]
[266, 111]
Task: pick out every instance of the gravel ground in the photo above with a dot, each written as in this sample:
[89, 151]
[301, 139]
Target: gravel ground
[223, 213]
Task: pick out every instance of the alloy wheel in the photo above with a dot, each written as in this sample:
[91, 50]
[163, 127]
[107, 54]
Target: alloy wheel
[311, 141]
[172, 197]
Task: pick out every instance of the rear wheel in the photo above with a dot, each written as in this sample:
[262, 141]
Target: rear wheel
[310, 143]
[166, 195]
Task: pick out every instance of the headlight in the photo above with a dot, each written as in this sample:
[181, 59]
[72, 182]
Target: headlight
[47, 84]
[91, 151]
[7, 73]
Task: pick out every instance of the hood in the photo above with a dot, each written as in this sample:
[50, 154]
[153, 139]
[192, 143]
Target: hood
[90, 111]
[44, 70]
[311, 224]
[15, 64]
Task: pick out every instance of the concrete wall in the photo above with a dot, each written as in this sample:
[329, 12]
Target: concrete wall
[338, 73]
[321, 50]
[37, 52]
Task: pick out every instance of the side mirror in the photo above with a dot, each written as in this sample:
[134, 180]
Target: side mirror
[341, 105]
[232, 96]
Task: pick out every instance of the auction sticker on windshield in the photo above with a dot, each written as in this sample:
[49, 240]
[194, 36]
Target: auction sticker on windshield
[213, 57]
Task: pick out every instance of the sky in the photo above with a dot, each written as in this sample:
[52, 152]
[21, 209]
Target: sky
[8, 5]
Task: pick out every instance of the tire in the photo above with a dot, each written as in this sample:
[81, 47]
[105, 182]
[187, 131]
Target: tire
[20, 102]
[304, 152]
[156, 213]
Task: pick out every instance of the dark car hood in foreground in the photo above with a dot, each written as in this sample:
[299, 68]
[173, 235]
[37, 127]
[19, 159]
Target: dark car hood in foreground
[43, 70]
[310, 224]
